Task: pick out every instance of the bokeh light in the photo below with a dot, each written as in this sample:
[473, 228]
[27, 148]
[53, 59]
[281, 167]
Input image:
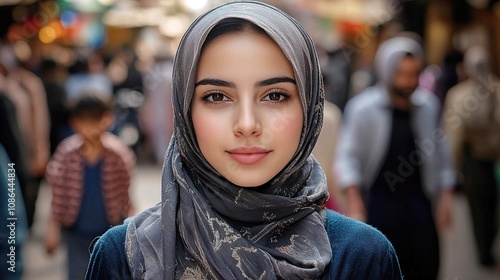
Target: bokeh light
[47, 34]
[68, 18]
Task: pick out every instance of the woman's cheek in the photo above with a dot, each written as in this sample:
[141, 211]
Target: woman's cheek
[287, 120]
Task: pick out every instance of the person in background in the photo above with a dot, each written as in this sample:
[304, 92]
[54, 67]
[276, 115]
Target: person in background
[25, 90]
[87, 74]
[90, 176]
[452, 73]
[337, 76]
[324, 152]
[123, 71]
[242, 197]
[472, 120]
[53, 76]
[11, 137]
[156, 114]
[393, 158]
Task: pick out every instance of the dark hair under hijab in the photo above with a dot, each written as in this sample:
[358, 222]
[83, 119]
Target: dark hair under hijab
[229, 26]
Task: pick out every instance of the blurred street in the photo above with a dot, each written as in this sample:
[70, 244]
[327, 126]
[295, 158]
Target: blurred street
[54, 54]
[458, 252]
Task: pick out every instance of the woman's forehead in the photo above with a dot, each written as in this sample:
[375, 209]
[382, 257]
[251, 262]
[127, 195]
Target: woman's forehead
[245, 50]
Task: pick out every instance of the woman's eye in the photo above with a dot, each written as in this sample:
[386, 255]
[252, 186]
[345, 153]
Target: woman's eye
[215, 97]
[277, 97]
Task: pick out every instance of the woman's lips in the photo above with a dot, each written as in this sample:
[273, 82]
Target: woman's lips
[248, 155]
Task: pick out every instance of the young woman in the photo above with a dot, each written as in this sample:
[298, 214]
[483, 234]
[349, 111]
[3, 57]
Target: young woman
[242, 197]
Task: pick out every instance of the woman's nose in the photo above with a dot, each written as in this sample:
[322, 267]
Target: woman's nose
[247, 122]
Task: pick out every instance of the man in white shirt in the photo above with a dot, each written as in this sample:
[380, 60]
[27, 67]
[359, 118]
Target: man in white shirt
[393, 159]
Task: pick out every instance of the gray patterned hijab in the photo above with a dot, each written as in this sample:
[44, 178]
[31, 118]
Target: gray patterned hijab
[208, 228]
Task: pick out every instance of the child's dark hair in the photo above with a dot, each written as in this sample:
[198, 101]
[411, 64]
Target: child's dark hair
[90, 104]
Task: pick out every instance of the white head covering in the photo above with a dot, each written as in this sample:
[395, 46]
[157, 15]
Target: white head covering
[391, 52]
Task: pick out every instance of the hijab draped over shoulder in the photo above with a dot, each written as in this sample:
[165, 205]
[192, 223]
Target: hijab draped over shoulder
[208, 228]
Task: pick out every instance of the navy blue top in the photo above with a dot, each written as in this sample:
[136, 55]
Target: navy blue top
[91, 219]
[359, 252]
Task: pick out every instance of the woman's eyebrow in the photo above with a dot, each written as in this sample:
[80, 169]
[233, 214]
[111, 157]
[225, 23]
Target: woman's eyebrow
[215, 82]
[275, 80]
[266, 82]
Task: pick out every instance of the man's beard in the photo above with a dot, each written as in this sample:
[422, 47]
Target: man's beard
[403, 92]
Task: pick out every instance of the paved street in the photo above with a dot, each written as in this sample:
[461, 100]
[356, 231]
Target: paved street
[458, 255]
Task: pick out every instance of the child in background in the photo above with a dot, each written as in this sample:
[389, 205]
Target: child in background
[90, 176]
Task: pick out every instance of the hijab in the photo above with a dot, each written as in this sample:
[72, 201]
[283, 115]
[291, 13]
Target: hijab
[208, 228]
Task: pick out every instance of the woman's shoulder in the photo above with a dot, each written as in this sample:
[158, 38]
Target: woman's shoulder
[359, 251]
[342, 228]
[113, 238]
[108, 259]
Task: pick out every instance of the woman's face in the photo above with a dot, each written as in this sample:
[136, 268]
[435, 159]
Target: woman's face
[246, 108]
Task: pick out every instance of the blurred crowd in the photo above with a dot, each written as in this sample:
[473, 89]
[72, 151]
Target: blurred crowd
[387, 163]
